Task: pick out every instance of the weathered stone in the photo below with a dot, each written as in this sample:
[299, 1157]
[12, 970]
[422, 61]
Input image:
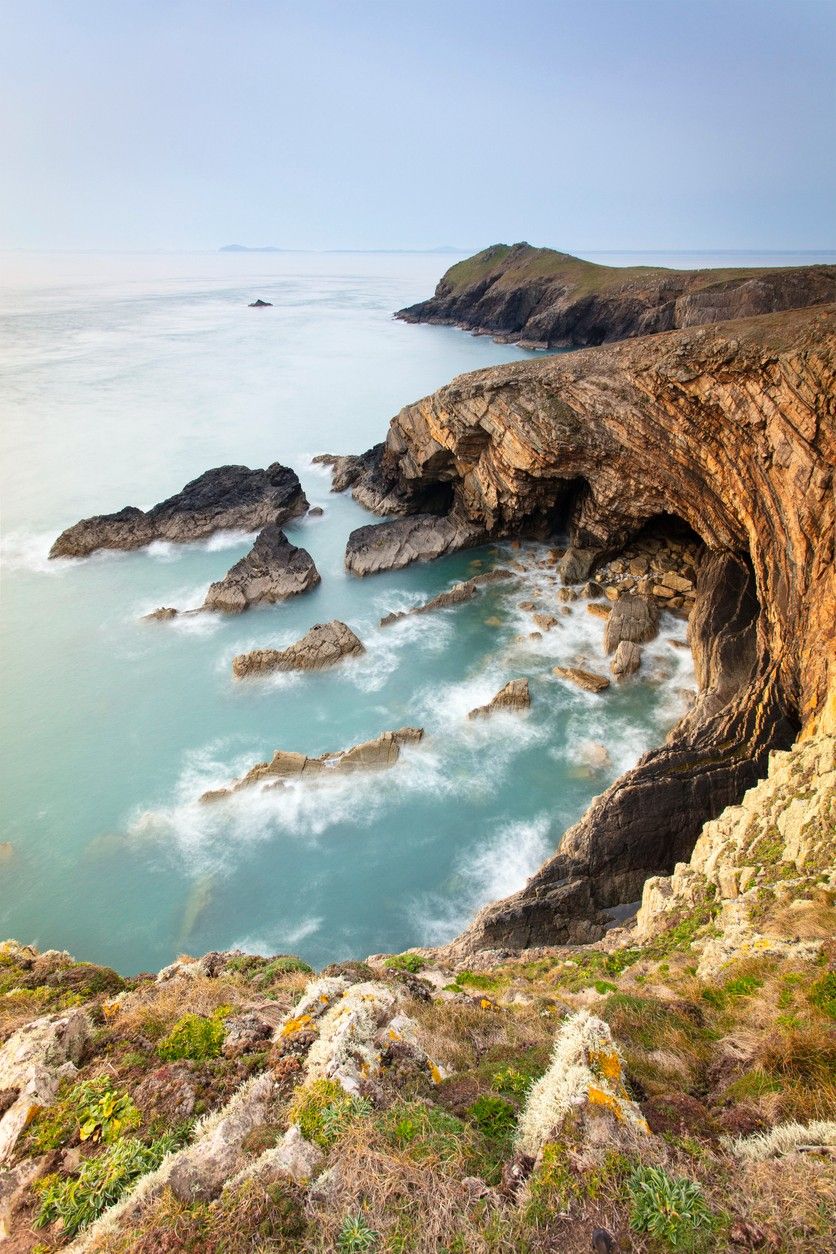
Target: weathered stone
[575, 564]
[514, 696]
[273, 570]
[377, 754]
[583, 679]
[324, 645]
[457, 595]
[626, 660]
[598, 610]
[633, 619]
[32, 1062]
[229, 498]
[402, 541]
[546, 621]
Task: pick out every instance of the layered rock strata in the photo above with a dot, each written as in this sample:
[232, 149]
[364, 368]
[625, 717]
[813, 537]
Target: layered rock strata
[420, 538]
[324, 645]
[461, 592]
[229, 498]
[372, 755]
[544, 298]
[729, 428]
[273, 570]
[514, 695]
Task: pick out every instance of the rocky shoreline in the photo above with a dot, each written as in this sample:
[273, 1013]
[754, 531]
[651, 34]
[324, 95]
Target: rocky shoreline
[540, 298]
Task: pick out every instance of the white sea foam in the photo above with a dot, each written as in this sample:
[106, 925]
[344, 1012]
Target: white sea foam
[280, 939]
[485, 872]
[219, 541]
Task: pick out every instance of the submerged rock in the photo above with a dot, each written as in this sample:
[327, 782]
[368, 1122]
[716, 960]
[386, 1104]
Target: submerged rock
[273, 570]
[324, 645]
[227, 498]
[372, 755]
[584, 679]
[514, 696]
[626, 660]
[419, 538]
[457, 595]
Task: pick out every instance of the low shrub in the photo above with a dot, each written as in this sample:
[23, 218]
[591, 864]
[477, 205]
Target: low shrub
[194, 1037]
[90, 1111]
[356, 1235]
[494, 1117]
[669, 1208]
[413, 963]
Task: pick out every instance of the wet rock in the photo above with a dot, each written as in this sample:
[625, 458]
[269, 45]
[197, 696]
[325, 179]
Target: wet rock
[272, 571]
[575, 564]
[626, 660]
[162, 615]
[594, 755]
[324, 645]
[546, 621]
[419, 538]
[457, 595]
[377, 754]
[260, 304]
[316, 511]
[583, 679]
[514, 696]
[597, 610]
[228, 498]
[634, 619]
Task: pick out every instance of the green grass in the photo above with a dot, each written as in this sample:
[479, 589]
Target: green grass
[194, 1037]
[413, 963]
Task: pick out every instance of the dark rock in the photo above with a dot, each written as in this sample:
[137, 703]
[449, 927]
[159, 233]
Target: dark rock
[228, 498]
[545, 298]
[273, 570]
[457, 595]
[261, 304]
[324, 645]
[420, 538]
[575, 564]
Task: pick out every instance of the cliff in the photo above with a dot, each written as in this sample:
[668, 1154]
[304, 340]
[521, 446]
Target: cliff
[550, 299]
[730, 428]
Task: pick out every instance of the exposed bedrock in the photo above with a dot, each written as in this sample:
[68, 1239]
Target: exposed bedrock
[401, 541]
[273, 570]
[323, 646]
[729, 428]
[545, 298]
[224, 499]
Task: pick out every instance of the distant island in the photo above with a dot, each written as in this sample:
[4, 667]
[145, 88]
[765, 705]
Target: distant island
[245, 248]
[270, 248]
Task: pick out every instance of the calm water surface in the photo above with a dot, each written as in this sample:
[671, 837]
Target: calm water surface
[123, 377]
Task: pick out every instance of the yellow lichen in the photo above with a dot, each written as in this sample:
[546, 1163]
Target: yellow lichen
[296, 1025]
[597, 1097]
[435, 1073]
[607, 1063]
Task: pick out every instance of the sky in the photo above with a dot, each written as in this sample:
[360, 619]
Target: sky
[581, 124]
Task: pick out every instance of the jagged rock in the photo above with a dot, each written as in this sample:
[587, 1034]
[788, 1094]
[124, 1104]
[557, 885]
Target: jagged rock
[584, 679]
[609, 437]
[546, 621]
[599, 611]
[371, 485]
[545, 298]
[261, 304]
[634, 619]
[273, 570]
[457, 595]
[420, 538]
[377, 754]
[295, 1157]
[162, 615]
[200, 1171]
[228, 498]
[514, 696]
[32, 1063]
[575, 564]
[626, 660]
[324, 645]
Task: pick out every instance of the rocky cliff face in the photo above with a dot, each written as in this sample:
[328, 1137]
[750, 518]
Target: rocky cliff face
[551, 299]
[731, 428]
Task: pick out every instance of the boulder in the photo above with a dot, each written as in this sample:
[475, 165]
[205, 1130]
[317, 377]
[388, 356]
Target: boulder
[324, 645]
[228, 498]
[514, 696]
[626, 660]
[401, 541]
[273, 570]
[546, 621]
[583, 679]
[32, 1063]
[575, 564]
[633, 618]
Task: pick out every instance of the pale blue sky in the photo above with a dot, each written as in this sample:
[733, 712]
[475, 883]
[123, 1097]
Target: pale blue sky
[380, 123]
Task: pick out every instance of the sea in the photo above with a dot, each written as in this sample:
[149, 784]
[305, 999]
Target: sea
[124, 376]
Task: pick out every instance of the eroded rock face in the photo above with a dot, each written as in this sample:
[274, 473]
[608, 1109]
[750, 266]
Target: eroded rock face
[514, 695]
[729, 428]
[372, 755]
[324, 645]
[633, 619]
[273, 570]
[227, 498]
[420, 538]
[590, 681]
[545, 298]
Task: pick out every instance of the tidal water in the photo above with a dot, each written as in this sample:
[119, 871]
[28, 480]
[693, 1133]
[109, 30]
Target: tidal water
[122, 377]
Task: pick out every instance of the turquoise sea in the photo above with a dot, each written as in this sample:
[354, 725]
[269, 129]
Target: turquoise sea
[121, 378]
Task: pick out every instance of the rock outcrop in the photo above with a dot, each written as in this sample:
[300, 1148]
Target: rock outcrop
[324, 645]
[273, 570]
[371, 755]
[420, 538]
[545, 298]
[729, 428]
[590, 681]
[514, 695]
[228, 498]
[461, 592]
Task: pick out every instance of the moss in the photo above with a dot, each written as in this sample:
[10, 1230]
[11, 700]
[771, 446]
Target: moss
[194, 1037]
[425, 1132]
[413, 963]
